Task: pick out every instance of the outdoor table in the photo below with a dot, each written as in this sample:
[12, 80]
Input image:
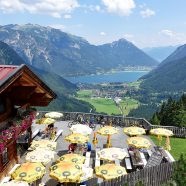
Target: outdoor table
[136, 162]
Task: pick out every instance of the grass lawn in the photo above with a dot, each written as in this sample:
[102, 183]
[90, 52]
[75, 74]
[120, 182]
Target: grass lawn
[107, 105]
[84, 93]
[129, 104]
[103, 105]
[178, 146]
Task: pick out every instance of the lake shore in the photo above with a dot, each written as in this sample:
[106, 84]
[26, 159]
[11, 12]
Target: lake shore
[114, 77]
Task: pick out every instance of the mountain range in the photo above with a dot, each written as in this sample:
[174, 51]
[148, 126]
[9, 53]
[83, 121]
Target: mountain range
[159, 53]
[51, 49]
[63, 88]
[170, 75]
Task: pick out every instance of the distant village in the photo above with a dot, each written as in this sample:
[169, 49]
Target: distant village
[107, 90]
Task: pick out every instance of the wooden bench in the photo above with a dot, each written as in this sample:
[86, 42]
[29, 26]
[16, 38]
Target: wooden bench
[117, 162]
[59, 132]
[5, 179]
[143, 158]
[35, 133]
[97, 160]
[126, 151]
[128, 164]
[170, 158]
[87, 160]
[88, 154]
[149, 152]
[14, 168]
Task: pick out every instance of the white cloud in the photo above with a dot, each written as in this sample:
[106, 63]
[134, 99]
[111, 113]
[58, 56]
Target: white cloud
[53, 8]
[169, 33]
[172, 36]
[97, 8]
[102, 33]
[142, 5]
[67, 16]
[93, 8]
[128, 36]
[59, 26]
[121, 7]
[147, 13]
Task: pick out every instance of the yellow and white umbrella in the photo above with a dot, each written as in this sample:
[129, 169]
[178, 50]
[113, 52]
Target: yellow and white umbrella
[87, 173]
[77, 138]
[40, 155]
[111, 154]
[15, 183]
[138, 142]
[110, 171]
[159, 132]
[29, 172]
[108, 131]
[134, 131]
[44, 144]
[82, 129]
[54, 115]
[66, 172]
[45, 121]
[75, 158]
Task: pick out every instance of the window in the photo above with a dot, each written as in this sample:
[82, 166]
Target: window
[5, 156]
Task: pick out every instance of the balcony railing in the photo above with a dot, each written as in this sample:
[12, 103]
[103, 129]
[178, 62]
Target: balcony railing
[118, 121]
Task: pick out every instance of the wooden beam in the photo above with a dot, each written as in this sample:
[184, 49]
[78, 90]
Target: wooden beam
[22, 92]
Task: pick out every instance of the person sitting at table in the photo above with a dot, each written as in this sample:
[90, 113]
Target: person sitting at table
[87, 148]
[52, 133]
[72, 147]
[51, 126]
[131, 148]
[47, 131]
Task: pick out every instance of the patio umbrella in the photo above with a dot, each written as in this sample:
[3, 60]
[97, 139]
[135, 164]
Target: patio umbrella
[40, 155]
[138, 142]
[159, 132]
[110, 154]
[110, 171]
[75, 158]
[44, 144]
[87, 173]
[107, 131]
[66, 172]
[45, 121]
[29, 172]
[133, 131]
[77, 138]
[82, 129]
[54, 115]
[15, 183]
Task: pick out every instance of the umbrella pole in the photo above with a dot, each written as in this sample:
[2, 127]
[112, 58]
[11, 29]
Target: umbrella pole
[159, 140]
[167, 144]
[95, 140]
[108, 141]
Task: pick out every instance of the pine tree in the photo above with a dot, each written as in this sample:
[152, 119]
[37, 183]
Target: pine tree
[155, 120]
[179, 175]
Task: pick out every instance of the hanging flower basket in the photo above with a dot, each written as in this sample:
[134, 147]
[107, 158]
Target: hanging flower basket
[2, 147]
[33, 115]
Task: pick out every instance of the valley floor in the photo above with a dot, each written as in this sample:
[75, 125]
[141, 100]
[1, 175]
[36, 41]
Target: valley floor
[107, 105]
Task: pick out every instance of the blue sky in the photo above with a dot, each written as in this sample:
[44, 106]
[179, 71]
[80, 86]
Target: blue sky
[146, 23]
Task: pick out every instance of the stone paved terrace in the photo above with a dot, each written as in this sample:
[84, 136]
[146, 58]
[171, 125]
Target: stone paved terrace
[117, 140]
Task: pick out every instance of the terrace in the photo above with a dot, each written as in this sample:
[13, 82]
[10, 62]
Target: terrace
[138, 168]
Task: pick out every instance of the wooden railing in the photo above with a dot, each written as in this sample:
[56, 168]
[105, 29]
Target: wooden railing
[119, 121]
[153, 176]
